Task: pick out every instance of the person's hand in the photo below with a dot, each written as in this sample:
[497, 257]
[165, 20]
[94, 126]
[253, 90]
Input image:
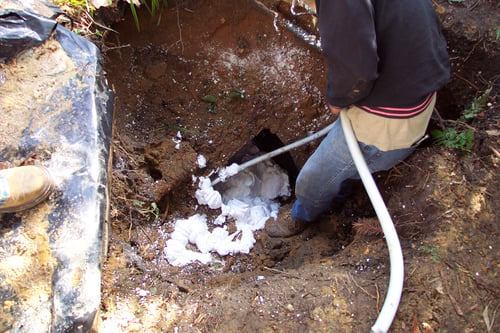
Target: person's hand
[335, 110]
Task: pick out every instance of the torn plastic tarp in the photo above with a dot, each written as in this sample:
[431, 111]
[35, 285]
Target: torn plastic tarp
[56, 111]
[21, 30]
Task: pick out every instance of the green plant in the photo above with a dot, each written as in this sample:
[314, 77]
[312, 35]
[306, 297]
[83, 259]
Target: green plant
[81, 12]
[478, 105]
[432, 252]
[151, 6]
[451, 138]
[212, 100]
[460, 135]
[497, 33]
[211, 103]
[147, 211]
[237, 94]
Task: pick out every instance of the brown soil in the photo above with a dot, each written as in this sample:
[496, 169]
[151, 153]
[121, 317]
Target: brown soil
[334, 276]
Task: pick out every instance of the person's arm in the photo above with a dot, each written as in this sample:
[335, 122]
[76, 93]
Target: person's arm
[348, 39]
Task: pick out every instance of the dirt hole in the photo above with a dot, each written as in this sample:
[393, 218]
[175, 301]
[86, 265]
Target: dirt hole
[164, 77]
[266, 142]
[174, 104]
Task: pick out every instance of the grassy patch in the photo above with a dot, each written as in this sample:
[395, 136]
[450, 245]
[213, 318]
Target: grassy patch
[151, 6]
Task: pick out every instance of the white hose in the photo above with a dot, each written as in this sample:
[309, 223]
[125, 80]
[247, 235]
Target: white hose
[391, 303]
[279, 151]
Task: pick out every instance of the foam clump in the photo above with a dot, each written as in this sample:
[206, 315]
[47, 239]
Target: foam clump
[201, 161]
[247, 198]
[206, 195]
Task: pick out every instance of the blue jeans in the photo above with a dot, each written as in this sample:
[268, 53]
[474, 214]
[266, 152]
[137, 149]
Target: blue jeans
[320, 180]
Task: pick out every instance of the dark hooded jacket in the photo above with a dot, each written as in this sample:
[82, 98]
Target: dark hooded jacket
[383, 55]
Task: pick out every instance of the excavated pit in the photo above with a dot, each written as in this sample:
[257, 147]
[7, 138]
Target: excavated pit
[186, 89]
[207, 78]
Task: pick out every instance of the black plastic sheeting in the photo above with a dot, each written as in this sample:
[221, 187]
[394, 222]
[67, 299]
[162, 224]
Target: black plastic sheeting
[51, 255]
[21, 30]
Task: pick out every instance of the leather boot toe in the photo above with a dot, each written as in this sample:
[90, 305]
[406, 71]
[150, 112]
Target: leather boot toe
[284, 226]
[24, 187]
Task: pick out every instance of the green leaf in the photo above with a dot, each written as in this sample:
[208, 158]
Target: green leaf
[236, 94]
[450, 138]
[134, 14]
[477, 106]
[210, 99]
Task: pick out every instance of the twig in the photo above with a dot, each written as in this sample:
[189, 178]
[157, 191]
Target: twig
[440, 119]
[115, 47]
[130, 231]
[426, 180]
[486, 317]
[282, 272]
[461, 123]
[474, 5]
[459, 289]
[473, 48]
[455, 305]
[452, 299]
[145, 233]
[464, 79]
[412, 166]
[495, 151]
[378, 297]
[363, 289]
[159, 19]
[138, 225]
[455, 122]
[98, 24]
[166, 209]
[180, 30]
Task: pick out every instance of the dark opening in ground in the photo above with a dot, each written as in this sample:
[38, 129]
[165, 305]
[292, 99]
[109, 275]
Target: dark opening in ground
[266, 142]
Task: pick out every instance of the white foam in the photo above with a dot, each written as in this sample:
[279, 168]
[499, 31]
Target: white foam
[229, 171]
[206, 195]
[177, 140]
[247, 199]
[202, 161]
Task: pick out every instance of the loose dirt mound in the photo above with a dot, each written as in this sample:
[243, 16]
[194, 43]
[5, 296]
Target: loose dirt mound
[219, 74]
